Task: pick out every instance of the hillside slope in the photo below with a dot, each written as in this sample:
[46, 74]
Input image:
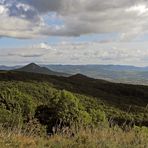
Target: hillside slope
[123, 102]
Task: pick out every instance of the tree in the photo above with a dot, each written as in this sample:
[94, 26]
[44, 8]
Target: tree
[63, 109]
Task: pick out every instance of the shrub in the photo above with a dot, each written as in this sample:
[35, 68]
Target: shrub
[14, 103]
[97, 115]
[63, 109]
[9, 119]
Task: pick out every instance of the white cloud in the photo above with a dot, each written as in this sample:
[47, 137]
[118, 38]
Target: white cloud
[33, 51]
[79, 17]
[128, 17]
[141, 9]
[2, 9]
[78, 53]
[20, 21]
[45, 46]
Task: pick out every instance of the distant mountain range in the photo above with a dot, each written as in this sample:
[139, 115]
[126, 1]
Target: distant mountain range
[79, 68]
[115, 73]
[3, 67]
[34, 68]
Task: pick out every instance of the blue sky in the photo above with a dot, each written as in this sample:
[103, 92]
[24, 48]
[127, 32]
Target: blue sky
[74, 32]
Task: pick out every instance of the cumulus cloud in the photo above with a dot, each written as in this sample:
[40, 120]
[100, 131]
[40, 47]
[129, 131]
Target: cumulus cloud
[24, 55]
[26, 18]
[128, 17]
[33, 51]
[20, 20]
[78, 53]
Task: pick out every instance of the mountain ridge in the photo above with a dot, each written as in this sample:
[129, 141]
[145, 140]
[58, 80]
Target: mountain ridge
[34, 68]
[114, 73]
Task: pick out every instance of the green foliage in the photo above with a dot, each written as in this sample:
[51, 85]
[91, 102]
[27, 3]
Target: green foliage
[78, 99]
[65, 105]
[9, 119]
[85, 118]
[97, 115]
[15, 106]
[64, 108]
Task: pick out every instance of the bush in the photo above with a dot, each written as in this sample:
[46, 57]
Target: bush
[66, 106]
[15, 103]
[9, 119]
[97, 115]
[63, 109]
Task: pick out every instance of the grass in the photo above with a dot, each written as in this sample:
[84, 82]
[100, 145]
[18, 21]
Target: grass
[101, 137]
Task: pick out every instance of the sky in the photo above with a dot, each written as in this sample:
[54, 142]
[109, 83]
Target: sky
[74, 32]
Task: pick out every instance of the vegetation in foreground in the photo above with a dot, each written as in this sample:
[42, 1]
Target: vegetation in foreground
[101, 137]
[50, 111]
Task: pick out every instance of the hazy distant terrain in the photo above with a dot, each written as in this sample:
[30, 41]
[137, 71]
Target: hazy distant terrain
[2, 67]
[115, 73]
